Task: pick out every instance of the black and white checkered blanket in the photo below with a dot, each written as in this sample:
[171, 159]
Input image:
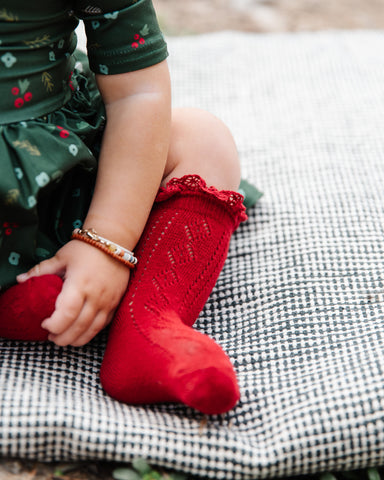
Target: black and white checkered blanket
[299, 306]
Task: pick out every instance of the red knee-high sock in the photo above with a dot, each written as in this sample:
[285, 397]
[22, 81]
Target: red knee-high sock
[153, 355]
[24, 306]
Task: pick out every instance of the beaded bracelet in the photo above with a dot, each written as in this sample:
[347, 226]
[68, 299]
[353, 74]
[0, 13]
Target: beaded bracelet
[112, 249]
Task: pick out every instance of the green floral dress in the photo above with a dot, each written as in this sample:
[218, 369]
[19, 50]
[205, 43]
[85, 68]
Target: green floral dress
[52, 117]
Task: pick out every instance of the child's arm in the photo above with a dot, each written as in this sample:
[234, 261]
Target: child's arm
[131, 166]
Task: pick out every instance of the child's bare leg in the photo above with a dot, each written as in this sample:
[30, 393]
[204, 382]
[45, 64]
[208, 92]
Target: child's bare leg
[152, 354]
[202, 144]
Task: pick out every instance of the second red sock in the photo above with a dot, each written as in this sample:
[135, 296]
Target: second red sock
[24, 306]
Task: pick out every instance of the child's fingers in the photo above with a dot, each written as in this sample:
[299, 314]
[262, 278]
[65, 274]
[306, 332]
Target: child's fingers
[99, 321]
[88, 324]
[69, 305]
[52, 266]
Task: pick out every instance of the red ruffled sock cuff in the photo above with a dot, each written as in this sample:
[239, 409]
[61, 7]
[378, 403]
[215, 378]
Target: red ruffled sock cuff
[191, 185]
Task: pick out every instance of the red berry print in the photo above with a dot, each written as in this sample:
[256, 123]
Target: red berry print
[19, 102]
[63, 133]
[8, 226]
[71, 86]
[139, 40]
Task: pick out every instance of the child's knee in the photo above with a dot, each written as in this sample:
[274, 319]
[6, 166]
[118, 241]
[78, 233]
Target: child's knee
[202, 144]
[221, 159]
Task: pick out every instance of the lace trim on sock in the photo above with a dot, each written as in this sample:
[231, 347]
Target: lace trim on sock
[191, 184]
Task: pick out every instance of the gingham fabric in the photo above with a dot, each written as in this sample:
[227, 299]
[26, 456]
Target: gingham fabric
[299, 306]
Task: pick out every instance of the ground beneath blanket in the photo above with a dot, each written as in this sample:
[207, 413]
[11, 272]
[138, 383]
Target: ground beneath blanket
[198, 16]
[14, 469]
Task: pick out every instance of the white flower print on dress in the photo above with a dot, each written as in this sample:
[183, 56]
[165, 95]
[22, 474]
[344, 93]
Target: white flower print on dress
[19, 173]
[79, 67]
[103, 69]
[8, 59]
[42, 179]
[42, 252]
[77, 224]
[73, 150]
[14, 258]
[111, 16]
[32, 201]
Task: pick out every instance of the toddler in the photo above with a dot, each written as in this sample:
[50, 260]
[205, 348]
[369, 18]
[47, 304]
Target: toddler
[113, 208]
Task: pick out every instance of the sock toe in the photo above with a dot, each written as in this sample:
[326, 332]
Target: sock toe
[210, 390]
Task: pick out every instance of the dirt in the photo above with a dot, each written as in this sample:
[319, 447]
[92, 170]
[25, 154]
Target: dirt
[180, 17]
[17, 469]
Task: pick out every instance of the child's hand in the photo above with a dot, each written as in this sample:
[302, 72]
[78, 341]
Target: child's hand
[94, 284]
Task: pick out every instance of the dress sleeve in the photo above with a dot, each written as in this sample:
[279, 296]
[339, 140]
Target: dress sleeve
[122, 35]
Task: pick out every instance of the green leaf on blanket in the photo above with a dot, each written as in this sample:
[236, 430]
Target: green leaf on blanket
[141, 466]
[327, 476]
[142, 471]
[250, 192]
[125, 474]
[154, 476]
[373, 474]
